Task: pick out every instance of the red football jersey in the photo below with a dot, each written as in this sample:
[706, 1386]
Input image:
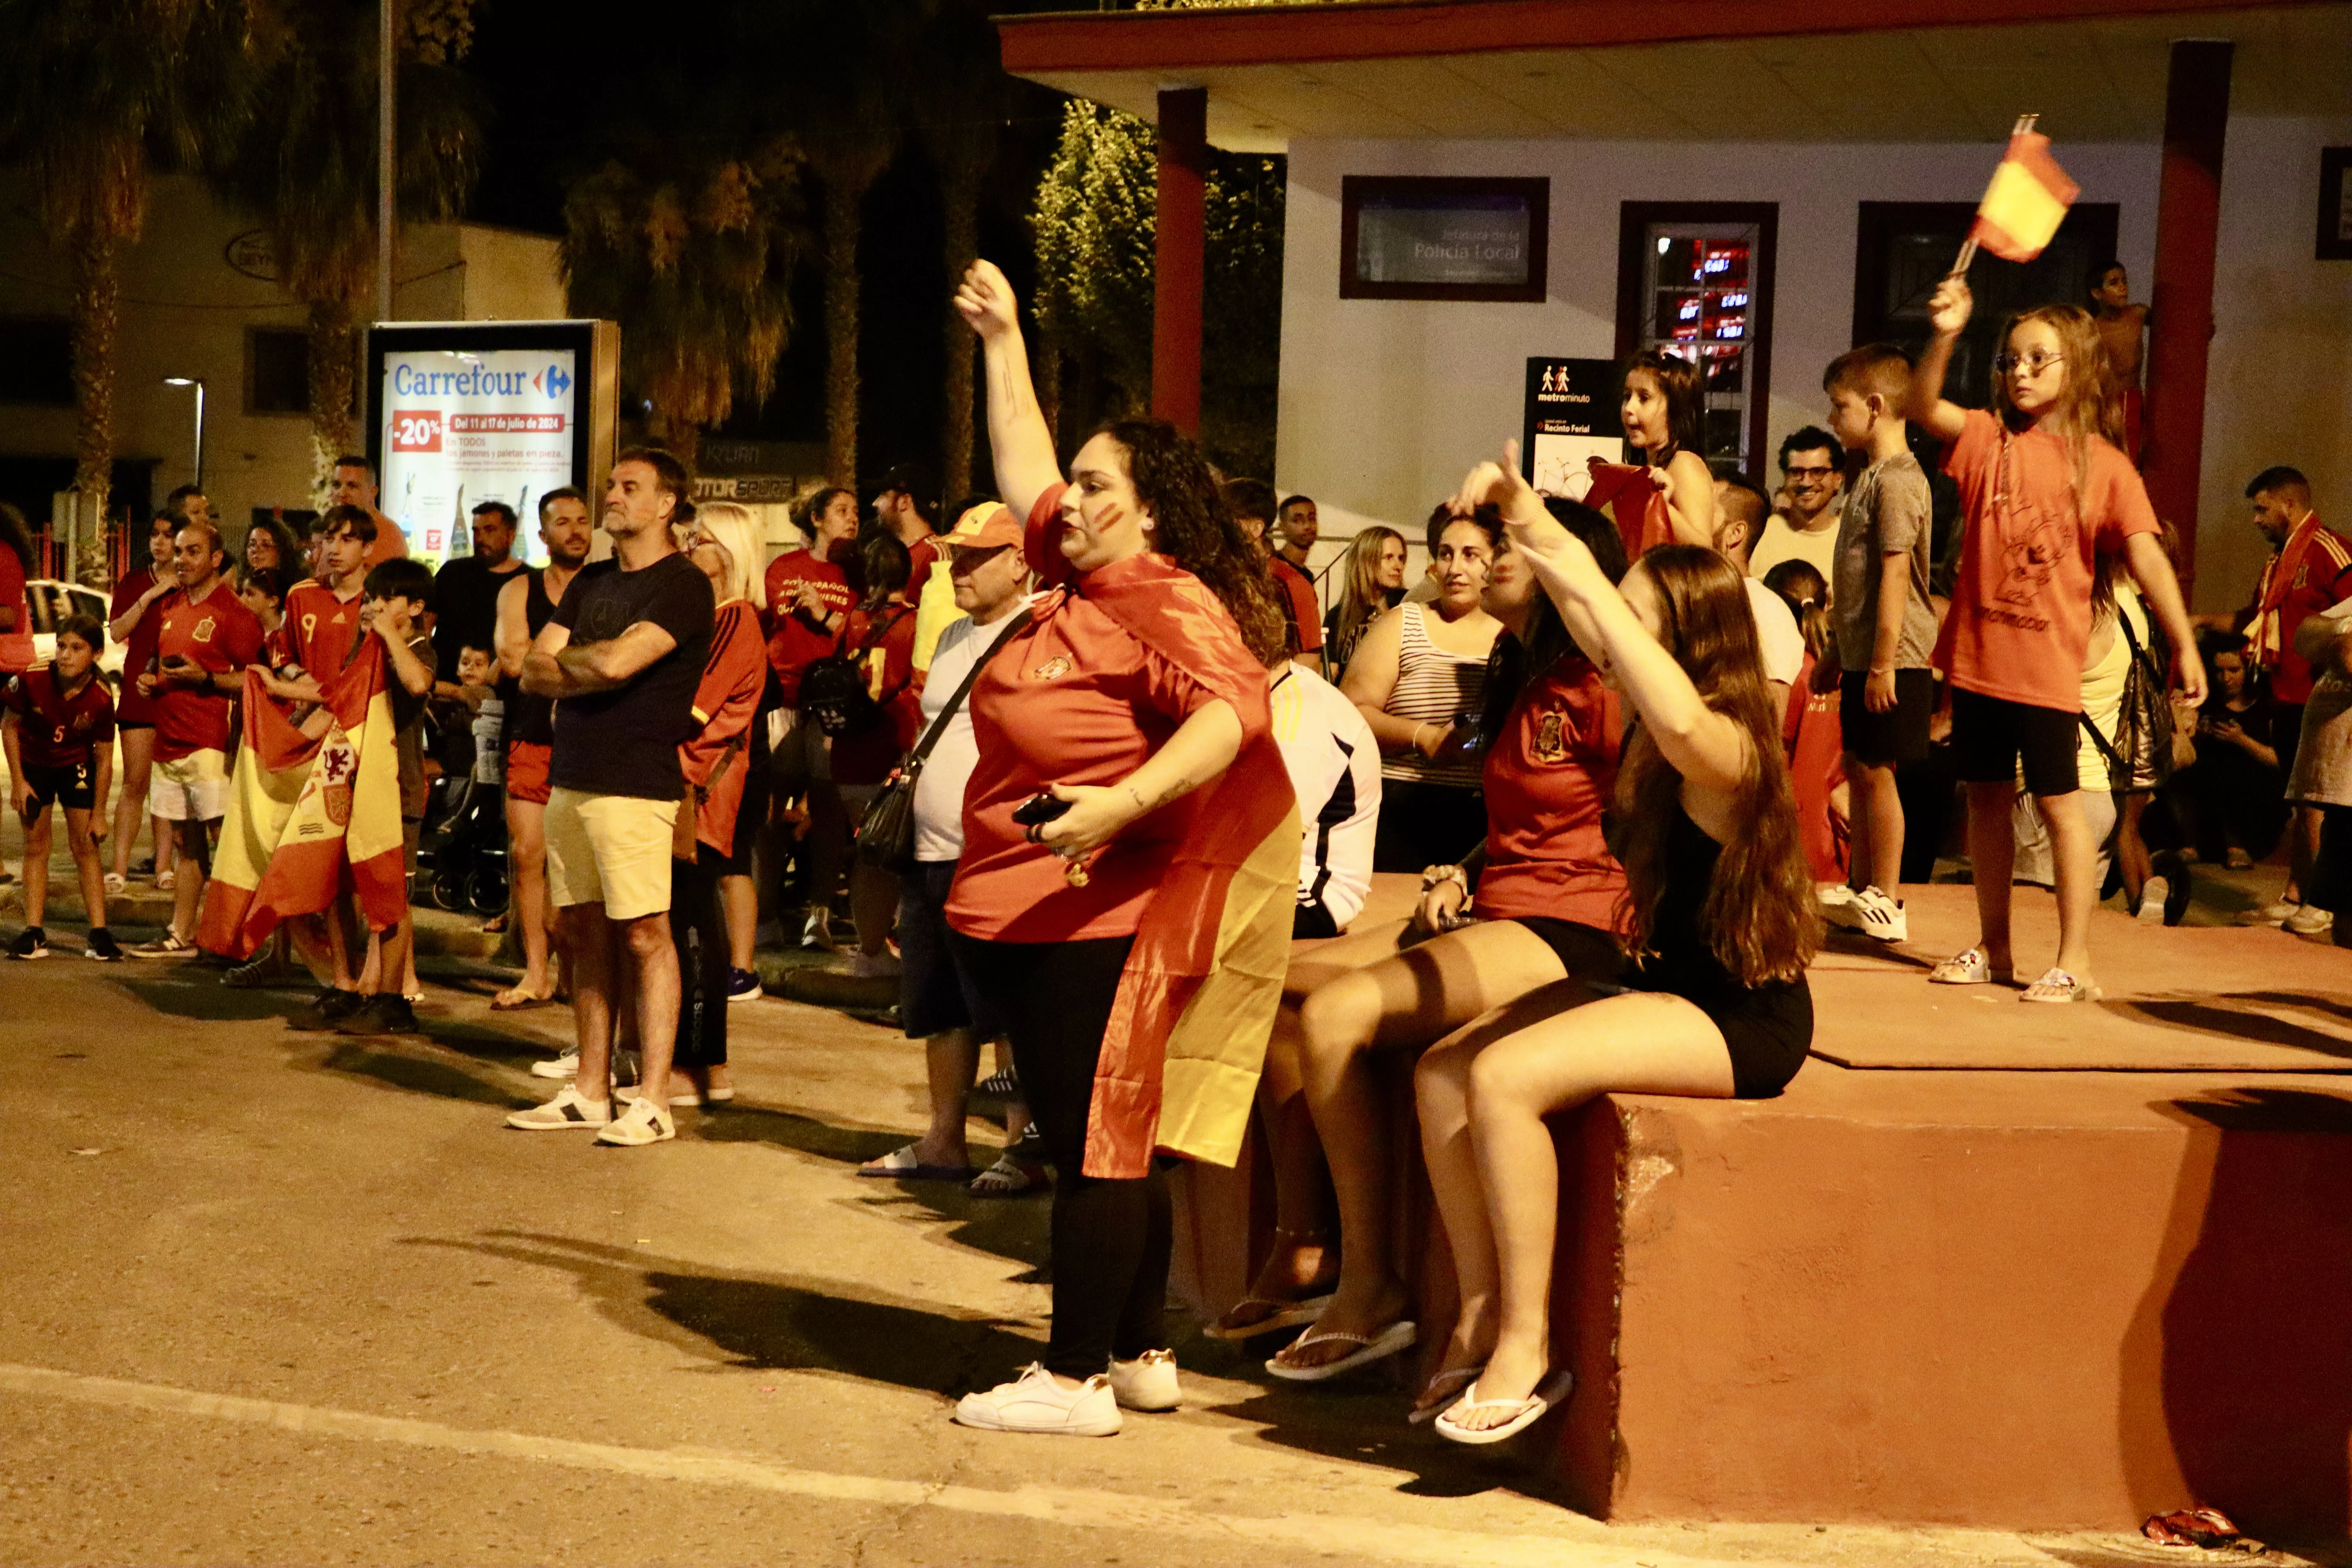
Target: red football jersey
[54, 730]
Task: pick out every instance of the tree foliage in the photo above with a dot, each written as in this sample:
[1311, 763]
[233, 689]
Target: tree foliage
[1093, 222]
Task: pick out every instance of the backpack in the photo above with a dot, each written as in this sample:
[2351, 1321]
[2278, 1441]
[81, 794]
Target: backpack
[833, 692]
[2142, 754]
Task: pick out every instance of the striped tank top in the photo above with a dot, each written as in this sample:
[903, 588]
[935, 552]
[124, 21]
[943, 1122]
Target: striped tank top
[1433, 687]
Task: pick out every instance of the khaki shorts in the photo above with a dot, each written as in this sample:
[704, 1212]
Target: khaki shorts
[609, 850]
[193, 788]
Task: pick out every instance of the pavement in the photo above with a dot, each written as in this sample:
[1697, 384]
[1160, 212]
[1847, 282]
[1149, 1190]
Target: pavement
[282, 1297]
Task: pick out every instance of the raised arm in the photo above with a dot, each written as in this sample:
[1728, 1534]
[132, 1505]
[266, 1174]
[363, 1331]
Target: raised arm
[1018, 437]
[1708, 748]
[1947, 313]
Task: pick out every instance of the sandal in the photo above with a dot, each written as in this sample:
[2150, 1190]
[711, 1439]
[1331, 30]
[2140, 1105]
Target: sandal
[515, 999]
[1970, 968]
[115, 884]
[2057, 985]
[903, 1164]
[1532, 1409]
[1398, 1336]
[496, 925]
[1284, 1315]
[166, 881]
[1445, 1392]
[1009, 1178]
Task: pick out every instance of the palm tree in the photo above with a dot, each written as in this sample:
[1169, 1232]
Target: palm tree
[307, 167]
[107, 94]
[959, 103]
[692, 251]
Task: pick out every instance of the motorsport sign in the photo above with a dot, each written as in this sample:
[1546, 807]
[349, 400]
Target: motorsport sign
[465, 412]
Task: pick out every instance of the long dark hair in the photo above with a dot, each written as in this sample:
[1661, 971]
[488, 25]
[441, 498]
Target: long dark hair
[1518, 663]
[1763, 921]
[17, 535]
[1686, 395]
[887, 564]
[289, 552]
[1192, 526]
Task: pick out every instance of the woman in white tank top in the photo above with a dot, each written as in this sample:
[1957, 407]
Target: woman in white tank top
[1419, 677]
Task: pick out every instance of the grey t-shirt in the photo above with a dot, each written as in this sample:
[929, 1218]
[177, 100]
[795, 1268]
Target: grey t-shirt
[1887, 512]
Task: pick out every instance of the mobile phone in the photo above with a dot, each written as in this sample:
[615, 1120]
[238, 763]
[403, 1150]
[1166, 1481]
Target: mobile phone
[1040, 808]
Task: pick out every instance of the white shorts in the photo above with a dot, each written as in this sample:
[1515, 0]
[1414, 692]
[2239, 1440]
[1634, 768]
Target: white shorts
[193, 788]
[609, 850]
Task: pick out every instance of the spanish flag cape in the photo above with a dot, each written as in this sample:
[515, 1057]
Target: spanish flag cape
[309, 817]
[1634, 499]
[1188, 1026]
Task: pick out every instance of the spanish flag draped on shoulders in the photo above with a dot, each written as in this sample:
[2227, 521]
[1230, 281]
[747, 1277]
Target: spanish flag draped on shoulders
[309, 814]
[1111, 662]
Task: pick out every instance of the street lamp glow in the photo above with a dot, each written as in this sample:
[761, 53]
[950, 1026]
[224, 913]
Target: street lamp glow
[198, 383]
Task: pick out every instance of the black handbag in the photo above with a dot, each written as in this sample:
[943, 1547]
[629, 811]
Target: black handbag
[833, 694]
[2142, 755]
[886, 838]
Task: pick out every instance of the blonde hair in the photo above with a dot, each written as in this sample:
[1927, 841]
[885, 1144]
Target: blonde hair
[731, 527]
[2090, 406]
[1361, 598]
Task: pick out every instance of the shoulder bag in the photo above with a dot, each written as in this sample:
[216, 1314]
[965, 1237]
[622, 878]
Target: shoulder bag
[887, 837]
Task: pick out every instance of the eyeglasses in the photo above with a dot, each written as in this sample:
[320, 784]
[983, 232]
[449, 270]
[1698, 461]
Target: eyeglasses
[2033, 363]
[1808, 473]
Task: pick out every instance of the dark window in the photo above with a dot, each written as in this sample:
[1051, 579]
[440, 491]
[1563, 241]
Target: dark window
[1903, 249]
[1695, 279]
[37, 361]
[277, 370]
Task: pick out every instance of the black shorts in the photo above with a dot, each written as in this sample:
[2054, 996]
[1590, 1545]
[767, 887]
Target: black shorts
[1586, 953]
[1890, 738]
[935, 992]
[1991, 734]
[1768, 1028]
[1312, 923]
[71, 787]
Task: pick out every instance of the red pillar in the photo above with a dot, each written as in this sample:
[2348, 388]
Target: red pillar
[2180, 326]
[1176, 292]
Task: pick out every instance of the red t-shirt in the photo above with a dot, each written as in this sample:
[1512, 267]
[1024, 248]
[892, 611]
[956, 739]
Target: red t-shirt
[321, 630]
[794, 642]
[1549, 776]
[54, 730]
[891, 680]
[1070, 698]
[2021, 618]
[138, 649]
[921, 555]
[17, 642]
[2323, 579]
[733, 681]
[1296, 586]
[217, 634]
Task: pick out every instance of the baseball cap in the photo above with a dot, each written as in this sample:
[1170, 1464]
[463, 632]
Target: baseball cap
[984, 526]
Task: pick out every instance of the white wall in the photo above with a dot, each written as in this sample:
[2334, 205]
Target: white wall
[2280, 386]
[1385, 403]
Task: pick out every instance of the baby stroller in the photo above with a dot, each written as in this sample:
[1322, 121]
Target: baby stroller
[462, 849]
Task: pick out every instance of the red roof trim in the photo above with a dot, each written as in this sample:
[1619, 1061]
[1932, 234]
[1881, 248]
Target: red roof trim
[1165, 40]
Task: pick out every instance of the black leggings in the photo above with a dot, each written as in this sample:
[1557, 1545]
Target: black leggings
[700, 928]
[1112, 1239]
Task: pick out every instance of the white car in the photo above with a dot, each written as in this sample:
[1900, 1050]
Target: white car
[53, 603]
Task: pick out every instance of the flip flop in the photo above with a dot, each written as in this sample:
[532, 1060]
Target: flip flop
[2057, 985]
[1398, 1336]
[522, 1001]
[1970, 968]
[1449, 1387]
[1285, 1315]
[1009, 1178]
[903, 1165]
[1532, 1409]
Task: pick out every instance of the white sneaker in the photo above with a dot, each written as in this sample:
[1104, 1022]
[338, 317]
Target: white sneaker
[568, 1109]
[566, 1066]
[2309, 922]
[2152, 894]
[643, 1122]
[1837, 905]
[1147, 1382]
[1876, 915]
[2269, 914]
[1033, 1402]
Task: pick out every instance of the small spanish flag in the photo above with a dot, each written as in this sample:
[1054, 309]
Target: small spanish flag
[2027, 200]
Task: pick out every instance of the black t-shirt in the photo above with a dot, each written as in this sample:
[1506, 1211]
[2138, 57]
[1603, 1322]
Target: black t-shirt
[465, 609]
[625, 741]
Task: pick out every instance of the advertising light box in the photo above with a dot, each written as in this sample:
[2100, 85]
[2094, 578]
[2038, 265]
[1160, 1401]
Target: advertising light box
[467, 412]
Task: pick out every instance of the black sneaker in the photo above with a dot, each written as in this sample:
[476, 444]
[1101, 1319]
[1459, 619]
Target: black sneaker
[103, 947]
[388, 1014]
[33, 942]
[260, 972]
[332, 1008]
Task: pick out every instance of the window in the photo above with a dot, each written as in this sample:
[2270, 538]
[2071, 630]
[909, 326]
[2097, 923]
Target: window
[276, 370]
[37, 361]
[1695, 278]
[1411, 238]
[1903, 249]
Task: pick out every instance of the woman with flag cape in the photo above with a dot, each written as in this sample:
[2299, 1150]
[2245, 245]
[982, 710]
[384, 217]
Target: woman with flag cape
[1129, 867]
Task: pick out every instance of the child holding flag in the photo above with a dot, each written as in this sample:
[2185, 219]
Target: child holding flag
[2044, 491]
[59, 728]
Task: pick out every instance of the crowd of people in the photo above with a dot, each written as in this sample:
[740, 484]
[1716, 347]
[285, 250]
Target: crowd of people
[1098, 779]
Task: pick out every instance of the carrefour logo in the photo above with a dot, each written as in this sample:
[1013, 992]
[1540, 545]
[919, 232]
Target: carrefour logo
[557, 381]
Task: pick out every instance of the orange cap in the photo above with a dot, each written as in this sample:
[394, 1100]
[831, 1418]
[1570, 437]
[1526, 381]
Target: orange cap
[984, 526]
